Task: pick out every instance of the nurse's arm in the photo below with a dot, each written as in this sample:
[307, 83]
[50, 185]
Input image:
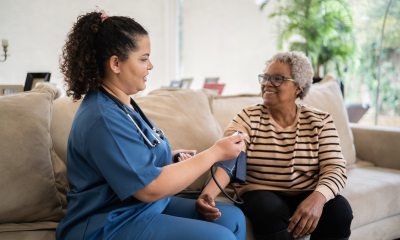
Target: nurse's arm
[176, 177]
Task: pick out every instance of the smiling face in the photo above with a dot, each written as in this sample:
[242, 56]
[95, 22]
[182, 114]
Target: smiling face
[129, 76]
[133, 72]
[286, 93]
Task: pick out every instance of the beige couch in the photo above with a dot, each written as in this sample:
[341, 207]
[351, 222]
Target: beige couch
[34, 131]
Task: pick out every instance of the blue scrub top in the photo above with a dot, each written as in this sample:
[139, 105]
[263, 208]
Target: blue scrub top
[109, 161]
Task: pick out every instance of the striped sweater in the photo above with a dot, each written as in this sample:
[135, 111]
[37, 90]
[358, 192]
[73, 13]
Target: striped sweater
[302, 157]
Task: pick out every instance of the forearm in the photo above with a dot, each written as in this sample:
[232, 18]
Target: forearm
[176, 177]
[223, 179]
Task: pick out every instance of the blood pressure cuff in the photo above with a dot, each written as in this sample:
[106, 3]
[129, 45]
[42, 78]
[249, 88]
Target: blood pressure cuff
[235, 168]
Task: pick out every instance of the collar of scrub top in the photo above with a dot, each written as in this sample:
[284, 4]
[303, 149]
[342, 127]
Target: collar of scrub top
[136, 107]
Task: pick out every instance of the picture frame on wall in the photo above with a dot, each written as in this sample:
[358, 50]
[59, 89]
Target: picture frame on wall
[32, 78]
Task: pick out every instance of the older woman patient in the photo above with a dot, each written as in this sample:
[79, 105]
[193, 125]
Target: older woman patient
[295, 167]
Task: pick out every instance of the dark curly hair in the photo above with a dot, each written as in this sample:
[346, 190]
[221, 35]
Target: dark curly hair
[90, 43]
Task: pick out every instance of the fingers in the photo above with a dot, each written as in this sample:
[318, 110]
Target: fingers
[300, 225]
[209, 200]
[313, 226]
[238, 137]
[191, 152]
[210, 211]
[206, 207]
[183, 156]
[296, 226]
[310, 226]
[293, 222]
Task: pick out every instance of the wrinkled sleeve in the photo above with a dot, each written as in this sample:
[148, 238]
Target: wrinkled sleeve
[332, 175]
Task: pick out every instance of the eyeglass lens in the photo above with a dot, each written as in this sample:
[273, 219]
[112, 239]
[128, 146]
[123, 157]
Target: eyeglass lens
[275, 80]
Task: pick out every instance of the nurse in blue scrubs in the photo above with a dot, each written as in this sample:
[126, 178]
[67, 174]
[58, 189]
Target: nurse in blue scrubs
[122, 182]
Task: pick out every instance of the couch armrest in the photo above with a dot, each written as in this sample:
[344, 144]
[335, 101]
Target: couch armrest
[379, 145]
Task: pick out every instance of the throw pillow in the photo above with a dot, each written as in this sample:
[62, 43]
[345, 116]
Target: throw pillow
[327, 97]
[32, 177]
[184, 116]
[225, 108]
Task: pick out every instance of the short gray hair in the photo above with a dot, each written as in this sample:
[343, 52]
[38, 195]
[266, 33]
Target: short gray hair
[300, 67]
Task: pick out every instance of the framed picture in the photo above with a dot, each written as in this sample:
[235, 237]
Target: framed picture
[211, 80]
[214, 88]
[35, 77]
[186, 83]
[175, 84]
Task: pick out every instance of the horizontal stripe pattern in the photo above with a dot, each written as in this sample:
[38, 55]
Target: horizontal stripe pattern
[305, 156]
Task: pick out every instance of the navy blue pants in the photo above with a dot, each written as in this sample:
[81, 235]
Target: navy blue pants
[180, 220]
[269, 213]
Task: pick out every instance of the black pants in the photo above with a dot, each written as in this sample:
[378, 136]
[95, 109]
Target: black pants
[269, 213]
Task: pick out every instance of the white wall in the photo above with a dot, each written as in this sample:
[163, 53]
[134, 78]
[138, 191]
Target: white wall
[231, 39]
[226, 38]
[36, 31]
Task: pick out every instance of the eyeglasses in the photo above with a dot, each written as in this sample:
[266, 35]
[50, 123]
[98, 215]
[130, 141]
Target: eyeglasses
[275, 80]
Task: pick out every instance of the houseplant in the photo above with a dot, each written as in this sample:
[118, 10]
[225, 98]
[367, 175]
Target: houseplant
[322, 29]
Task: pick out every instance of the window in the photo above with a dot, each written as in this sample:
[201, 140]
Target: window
[372, 77]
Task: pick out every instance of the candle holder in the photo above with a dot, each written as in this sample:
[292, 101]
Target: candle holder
[4, 44]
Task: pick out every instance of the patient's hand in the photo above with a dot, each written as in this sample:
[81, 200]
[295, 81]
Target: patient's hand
[205, 205]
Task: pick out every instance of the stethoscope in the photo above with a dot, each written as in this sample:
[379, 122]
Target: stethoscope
[158, 132]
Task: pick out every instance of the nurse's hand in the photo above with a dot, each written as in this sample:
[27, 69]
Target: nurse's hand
[205, 205]
[228, 147]
[182, 154]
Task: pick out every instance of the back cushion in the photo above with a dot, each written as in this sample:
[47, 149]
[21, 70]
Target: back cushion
[32, 178]
[327, 97]
[225, 108]
[63, 115]
[184, 116]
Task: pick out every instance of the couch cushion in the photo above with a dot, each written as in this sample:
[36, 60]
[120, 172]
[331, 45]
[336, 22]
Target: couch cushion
[327, 97]
[224, 108]
[63, 114]
[32, 177]
[373, 193]
[184, 116]
[29, 235]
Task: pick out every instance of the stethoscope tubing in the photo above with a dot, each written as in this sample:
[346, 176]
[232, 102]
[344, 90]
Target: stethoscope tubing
[135, 106]
[156, 141]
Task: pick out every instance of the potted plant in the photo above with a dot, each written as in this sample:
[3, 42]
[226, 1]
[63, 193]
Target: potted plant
[322, 29]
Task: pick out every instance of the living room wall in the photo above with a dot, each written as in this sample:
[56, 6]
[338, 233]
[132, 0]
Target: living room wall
[36, 31]
[225, 38]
